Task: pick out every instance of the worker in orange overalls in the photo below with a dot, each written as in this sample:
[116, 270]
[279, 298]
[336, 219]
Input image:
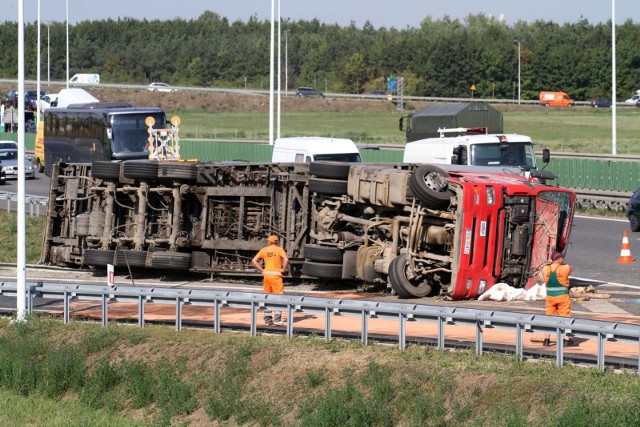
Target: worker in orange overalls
[275, 263]
[558, 302]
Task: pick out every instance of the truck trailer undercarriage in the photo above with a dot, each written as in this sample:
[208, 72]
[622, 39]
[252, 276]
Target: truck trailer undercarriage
[418, 228]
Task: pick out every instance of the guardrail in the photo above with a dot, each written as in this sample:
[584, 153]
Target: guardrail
[517, 323]
[34, 203]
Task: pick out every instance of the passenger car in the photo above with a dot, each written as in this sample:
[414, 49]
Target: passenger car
[160, 87]
[634, 99]
[9, 162]
[4, 144]
[309, 92]
[30, 98]
[48, 100]
[633, 211]
[600, 103]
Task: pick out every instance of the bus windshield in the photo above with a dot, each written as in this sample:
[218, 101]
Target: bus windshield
[129, 133]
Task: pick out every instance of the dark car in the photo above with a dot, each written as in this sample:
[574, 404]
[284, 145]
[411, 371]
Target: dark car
[633, 211]
[309, 92]
[600, 103]
[10, 98]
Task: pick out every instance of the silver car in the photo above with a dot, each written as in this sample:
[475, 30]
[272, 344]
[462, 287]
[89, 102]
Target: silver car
[9, 161]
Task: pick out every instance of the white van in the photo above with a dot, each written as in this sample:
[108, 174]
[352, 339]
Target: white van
[88, 79]
[73, 96]
[307, 149]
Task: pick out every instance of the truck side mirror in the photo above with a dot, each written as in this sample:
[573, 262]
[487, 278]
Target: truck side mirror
[546, 155]
[400, 123]
[455, 158]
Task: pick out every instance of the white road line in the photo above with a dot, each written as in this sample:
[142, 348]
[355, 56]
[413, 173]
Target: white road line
[601, 218]
[603, 307]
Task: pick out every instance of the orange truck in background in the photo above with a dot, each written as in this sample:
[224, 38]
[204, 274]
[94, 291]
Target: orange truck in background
[556, 99]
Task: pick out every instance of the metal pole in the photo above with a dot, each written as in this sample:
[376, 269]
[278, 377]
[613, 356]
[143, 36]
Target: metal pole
[613, 79]
[518, 41]
[21, 264]
[38, 72]
[67, 6]
[48, 55]
[286, 63]
[279, 73]
[271, 66]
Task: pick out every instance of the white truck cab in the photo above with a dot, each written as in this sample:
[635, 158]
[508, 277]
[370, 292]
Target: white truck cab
[473, 147]
[308, 149]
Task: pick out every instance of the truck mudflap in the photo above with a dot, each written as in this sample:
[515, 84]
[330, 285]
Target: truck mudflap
[418, 230]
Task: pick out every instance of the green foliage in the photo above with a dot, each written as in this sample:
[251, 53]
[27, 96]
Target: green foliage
[442, 58]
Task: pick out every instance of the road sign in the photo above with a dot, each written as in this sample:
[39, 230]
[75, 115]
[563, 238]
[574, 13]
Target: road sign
[391, 84]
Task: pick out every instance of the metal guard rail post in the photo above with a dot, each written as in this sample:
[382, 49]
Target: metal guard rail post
[402, 312]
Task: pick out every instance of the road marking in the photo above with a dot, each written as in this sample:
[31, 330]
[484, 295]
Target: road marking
[604, 307]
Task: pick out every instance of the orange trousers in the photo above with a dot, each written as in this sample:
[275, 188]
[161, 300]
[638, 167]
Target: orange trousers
[559, 305]
[273, 284]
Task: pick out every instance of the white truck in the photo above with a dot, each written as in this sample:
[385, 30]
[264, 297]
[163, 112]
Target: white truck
[475, 147]
[308, 149]
[88, 79]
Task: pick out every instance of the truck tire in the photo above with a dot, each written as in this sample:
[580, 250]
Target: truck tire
[130, 258]
[97, 257]
[634, 222]
[327, 169]
[105, 170]
[331, 187]
[322, 270]
[179, 171]
[140, 170]
[171, 260]
[321, 253]
[401, 285]
[429, 184]
[40, 166]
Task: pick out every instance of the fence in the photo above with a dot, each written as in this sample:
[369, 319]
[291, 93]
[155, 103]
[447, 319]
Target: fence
[517, 323]
[33, 203]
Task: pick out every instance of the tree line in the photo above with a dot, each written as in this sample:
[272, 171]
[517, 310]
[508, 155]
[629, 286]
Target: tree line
[440, 58]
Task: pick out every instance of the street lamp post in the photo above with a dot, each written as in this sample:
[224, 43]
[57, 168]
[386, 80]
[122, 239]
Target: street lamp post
[518, 41]
[67, 7]
[48, 55]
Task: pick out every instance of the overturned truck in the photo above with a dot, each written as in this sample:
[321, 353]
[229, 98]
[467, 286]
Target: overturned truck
[420, 229]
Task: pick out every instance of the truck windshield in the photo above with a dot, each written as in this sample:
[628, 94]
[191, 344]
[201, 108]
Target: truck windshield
[130, 132]
[514, 154]
[340, 157]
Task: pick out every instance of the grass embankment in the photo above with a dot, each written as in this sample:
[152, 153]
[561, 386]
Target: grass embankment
[8, 240]
[157, 376]
[580, 130]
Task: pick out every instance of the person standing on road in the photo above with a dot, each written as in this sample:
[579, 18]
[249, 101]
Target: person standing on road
[275, 264]
[558, 302]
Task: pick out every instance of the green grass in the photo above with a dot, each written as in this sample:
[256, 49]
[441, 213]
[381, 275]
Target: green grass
[157, 376]
[579, 129]
[8, 243]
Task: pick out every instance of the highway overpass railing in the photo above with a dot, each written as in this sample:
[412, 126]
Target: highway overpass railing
[518, 324]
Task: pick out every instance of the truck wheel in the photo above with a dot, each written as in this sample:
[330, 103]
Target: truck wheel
[318, 269]
[97, 257]
[181, 171]
[401, 285]
[171, 260]
[40, 166]
[634, 222]
[130, 258]
[323, 254]
[327, 169]
[327, 186]
[429, 184]
[105, 170]
[141, 170]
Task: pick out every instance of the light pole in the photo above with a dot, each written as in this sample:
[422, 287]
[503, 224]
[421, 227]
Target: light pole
[67, 6]
[48, 55]
[518, 41]
[286, 63]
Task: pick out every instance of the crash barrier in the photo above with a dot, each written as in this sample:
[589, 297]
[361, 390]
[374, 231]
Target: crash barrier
[480, 320]
[37, 205]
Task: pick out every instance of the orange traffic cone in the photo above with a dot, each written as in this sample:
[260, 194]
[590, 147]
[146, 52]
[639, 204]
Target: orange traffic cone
[625, 252]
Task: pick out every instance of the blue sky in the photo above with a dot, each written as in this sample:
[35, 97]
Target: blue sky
[396, 13]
